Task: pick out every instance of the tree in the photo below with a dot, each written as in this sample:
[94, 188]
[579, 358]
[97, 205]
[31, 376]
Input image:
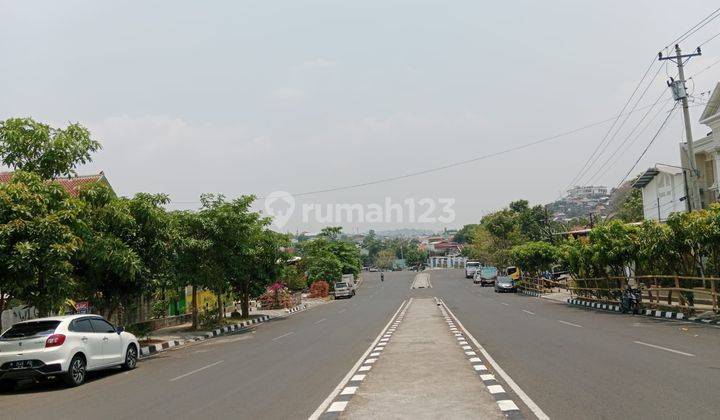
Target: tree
[464, 235]
[126, 248]
[385, 259]
[631, 209]
[49, 152]
[534, 256]
[38, 239]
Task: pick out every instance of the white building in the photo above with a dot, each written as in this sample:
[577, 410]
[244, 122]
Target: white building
[663, 191]
[664, 186]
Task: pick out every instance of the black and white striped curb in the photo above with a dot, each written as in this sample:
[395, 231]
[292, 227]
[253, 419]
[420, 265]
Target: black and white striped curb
[159, 347]
[297, 308]
[655, 313]
[529, 293]
[341, 401]
[506, 405]
[595, 305]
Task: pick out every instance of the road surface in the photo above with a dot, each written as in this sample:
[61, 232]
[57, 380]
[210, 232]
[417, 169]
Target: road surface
[571, 362]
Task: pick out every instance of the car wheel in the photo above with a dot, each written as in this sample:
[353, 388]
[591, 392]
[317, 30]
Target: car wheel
[131, 358]
[76, 372]
[7, 385]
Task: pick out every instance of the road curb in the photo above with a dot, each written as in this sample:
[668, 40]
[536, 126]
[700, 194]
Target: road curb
[297, 308]
[652, 313]
[153, 349]
[530, 293]
[506, 405]
[160, 347]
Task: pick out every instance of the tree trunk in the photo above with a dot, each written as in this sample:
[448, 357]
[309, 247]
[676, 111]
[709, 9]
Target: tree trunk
[245, 299]
[194, 308]
[220, 306]
[2, 309]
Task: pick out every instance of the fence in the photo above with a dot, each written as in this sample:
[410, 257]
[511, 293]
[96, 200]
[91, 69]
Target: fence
[688, 294]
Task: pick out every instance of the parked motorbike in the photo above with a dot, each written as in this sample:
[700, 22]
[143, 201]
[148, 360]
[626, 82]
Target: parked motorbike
[631, 300]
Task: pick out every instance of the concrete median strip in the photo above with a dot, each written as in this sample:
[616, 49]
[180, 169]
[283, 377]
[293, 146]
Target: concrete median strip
[338, 400]
[418, 373]
[506, 405]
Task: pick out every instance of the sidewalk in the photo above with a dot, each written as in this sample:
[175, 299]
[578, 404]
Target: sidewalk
[422, 374]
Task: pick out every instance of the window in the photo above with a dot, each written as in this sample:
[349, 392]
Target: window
[101, 326]
[31, 329]
[81, 326]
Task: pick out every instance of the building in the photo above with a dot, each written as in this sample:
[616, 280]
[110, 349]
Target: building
[663, 191]
[587, 192]
[664, 187]
[71, 184]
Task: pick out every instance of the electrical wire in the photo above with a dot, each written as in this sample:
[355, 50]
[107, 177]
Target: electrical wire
[627, 143]
[582, 170]
[642, 95]
[707, 19]
[710, 39]
[657, 133]
[715, 63]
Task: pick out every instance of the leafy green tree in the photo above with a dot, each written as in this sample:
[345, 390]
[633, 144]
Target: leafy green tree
[464, 235]
[38, 239]
[534, 256]
[385, 259]
[631, 209]
[49, 152]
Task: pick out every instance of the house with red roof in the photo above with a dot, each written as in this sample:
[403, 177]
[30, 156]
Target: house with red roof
[71, 184]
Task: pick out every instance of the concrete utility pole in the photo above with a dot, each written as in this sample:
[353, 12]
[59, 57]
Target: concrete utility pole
[680, 93]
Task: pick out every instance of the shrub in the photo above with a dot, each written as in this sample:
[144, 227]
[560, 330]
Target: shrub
[319, 288]
[235, 315]
[276, 296]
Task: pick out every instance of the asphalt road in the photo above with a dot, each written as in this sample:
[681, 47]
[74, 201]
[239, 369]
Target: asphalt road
[580, 363]
[574, 363]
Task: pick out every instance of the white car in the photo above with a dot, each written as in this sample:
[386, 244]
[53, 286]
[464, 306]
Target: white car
[64, 346]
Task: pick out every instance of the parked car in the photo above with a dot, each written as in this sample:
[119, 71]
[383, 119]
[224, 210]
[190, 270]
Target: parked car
[505, 284]
[485, 275]
[342, 289]
[513, 272]
[64, 346]
[470, 268]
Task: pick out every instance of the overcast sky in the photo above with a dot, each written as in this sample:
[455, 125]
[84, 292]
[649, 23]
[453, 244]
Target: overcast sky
[243, 97]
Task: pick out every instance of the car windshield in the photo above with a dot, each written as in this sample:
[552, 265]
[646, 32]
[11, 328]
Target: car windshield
[472, 264]
[489, 271]
[504, 280]
[31, 329]
[339, 285]
[511, 270]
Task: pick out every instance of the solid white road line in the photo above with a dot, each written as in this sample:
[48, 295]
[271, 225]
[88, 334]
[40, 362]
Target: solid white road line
[514, 386]
[664, 348]
[319, 321]
[570, 323]
[321, 408]
[506, 304]
[192, 372]
[528, 312]
[284, 335]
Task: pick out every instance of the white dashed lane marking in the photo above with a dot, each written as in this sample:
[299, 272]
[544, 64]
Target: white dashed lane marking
[284, 335]
[664, 348]
[528, 312]
[192, 372]
[570, 324]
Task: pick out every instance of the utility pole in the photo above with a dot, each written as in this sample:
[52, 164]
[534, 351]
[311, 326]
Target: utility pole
[679, 91]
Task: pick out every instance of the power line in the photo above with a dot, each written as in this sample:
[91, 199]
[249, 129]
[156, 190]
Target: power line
[622, 124]
[709, 39]
[694, 29]
[582, 170]
[454, 164]
[627, 138]
[657, 133]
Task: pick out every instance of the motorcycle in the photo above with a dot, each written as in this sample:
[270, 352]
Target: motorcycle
[631, 300]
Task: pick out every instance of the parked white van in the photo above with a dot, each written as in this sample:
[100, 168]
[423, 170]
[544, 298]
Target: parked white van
[470, 268]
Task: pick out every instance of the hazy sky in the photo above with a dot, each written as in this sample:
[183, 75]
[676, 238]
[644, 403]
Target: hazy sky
[243, 97]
